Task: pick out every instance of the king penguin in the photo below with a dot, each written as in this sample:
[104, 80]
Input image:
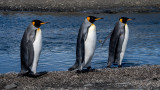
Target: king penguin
[30, 49]
[118, 42]
[86, 43]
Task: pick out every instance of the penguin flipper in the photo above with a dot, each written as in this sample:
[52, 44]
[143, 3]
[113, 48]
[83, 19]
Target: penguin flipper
[25, 56]
[27, 52]
[83, 39]
[119, 47]
[107, 37]
[83, 50]
[30, 53]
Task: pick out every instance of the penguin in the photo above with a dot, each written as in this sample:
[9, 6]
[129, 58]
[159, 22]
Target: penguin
[118, 42]
[30, 49]
[86, 43]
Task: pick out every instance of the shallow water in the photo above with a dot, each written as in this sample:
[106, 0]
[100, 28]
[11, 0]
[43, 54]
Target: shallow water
[59, 39]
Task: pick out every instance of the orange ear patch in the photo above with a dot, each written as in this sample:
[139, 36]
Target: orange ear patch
[33, 23]
[88, 18]
[121, 20]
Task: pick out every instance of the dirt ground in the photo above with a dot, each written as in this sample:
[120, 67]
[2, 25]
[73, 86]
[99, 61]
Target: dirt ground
[94, 6]
[141, 77]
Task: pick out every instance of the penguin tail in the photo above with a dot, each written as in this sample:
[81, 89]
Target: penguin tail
[30, 74]
[38, 74]
[23, 73]
[74, 67]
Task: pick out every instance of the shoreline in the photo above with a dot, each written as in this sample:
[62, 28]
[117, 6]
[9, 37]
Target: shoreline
[85, 6]
[139, 77]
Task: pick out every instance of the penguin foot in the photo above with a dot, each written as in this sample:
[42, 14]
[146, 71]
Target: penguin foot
[89, 69]
[74, 67]
[79, 71]
[31, 74]
[71, 69]
[120, 66]
[108, 66]
[41, 73]
[38, 74]
[21, 74]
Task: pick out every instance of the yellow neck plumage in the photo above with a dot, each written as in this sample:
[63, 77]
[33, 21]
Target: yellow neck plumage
[38, 29]
[92, 24]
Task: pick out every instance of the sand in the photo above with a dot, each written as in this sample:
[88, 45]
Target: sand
[140, 77]
[93, 6]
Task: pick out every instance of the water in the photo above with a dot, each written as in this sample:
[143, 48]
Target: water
[59, 39]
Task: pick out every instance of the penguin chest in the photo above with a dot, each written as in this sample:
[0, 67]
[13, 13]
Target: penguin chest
[37, 49]
[90, 43]
[126, 34]
[38, 41]
[124, 45]
[125, 38]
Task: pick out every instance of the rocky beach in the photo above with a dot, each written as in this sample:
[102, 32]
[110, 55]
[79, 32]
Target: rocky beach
[92, 6]
[140, 77]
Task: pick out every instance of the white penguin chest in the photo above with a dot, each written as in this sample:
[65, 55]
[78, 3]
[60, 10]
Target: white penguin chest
[90, 43]
[38, 41]
[124, 45]
[126, 34]
[37, 49]
[91, 37]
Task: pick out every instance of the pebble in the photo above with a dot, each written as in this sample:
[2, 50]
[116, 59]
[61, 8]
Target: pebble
[11, 86]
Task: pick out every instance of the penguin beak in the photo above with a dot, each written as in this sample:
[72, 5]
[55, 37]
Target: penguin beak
[98, 18]
[130, 19]
[44, 23]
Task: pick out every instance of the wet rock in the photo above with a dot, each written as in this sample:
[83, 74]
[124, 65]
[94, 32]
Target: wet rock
[11, 86]
[88, 85]
[156, 79]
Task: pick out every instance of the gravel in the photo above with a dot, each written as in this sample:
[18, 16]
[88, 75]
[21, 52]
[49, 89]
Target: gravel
[93, 6]
[140, 77]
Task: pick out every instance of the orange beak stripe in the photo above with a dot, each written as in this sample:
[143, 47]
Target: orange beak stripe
[43, 23]
[98, 18]
[129, 19]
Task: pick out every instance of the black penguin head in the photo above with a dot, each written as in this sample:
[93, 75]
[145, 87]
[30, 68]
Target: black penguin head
[37, 23]
[124, 19]
[92, 19]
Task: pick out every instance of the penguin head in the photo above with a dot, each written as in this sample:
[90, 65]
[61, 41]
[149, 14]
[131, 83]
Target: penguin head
[124, 19]
[92, 19]
[38, 23]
